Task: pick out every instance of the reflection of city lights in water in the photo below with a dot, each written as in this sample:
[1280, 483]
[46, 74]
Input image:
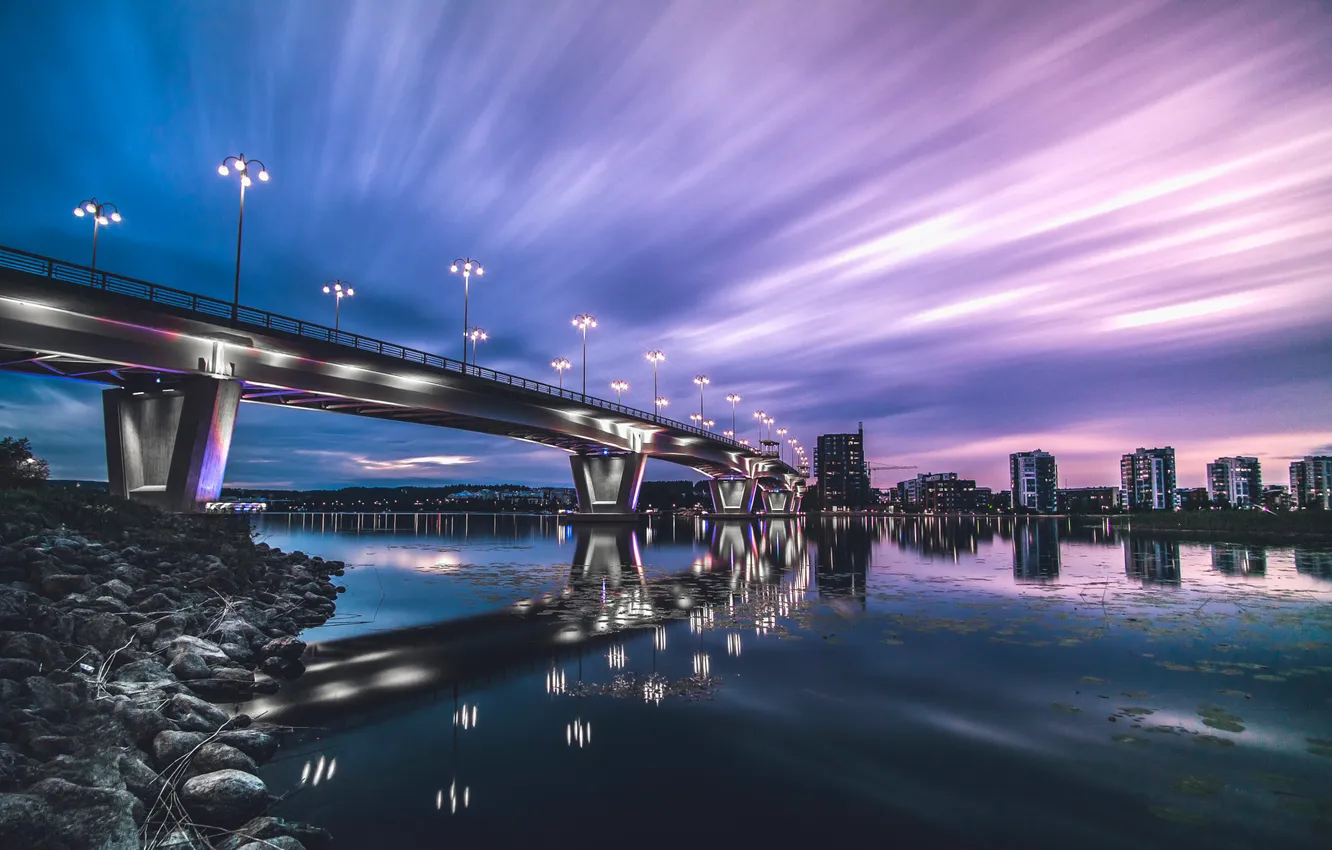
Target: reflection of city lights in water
[316, 772]
[733, 644]
[454, 799]
[465, 717]
[702, 665]
[578, 733]
[555, 681]
[319, 771]
[700, 619]
[616, 657]
[305, 773]
[332, 766]
[653, 691]
[659, 637]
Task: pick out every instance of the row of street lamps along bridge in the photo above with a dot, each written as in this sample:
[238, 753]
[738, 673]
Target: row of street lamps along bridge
[103, 214]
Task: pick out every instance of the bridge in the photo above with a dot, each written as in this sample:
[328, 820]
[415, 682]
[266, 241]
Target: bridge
[178, 364]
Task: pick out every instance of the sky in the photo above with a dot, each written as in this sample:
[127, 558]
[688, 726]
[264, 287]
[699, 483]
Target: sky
[977, 228]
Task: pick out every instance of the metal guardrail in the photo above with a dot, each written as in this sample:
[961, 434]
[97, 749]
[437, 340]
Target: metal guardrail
[212, 308]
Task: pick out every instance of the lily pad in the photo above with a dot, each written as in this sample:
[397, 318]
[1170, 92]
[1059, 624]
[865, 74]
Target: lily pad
[1129, 739]
[1213, 741]
[1320, 747]
[1229, 693]
[1137, 711]
[1198, 786]
[1184, 816]
[1071, 709]
[1134, 694]
[1218, 718]
[1093, 680]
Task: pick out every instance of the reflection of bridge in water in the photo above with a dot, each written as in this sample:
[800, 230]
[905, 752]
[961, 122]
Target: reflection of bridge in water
[751, 574]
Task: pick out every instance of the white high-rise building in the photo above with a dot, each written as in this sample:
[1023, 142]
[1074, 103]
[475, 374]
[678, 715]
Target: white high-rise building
[1235, 481]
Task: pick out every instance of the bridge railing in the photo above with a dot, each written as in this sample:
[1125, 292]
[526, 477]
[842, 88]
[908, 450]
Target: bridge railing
[213, 308]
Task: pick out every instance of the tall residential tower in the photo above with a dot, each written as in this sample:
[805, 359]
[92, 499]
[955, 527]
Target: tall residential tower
[1034, 477]
[1147, 479]
[1235, 481]
[839, 466]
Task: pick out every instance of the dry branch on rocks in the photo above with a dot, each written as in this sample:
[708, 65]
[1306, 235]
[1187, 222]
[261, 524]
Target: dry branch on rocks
[120, 627]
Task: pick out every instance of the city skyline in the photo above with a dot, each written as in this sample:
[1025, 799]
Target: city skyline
[1034, 264]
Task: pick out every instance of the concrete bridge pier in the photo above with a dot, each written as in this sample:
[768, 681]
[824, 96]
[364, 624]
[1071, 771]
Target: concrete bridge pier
[606, 553]
[168, 445]
[780, 500]
[607, 485]
[733, 496]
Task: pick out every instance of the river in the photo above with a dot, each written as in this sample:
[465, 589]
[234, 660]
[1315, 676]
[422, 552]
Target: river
[955, 682]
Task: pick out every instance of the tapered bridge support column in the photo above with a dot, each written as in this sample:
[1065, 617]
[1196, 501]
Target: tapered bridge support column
[780, 500]
[733, 496]
[607, 485]
[169, 447]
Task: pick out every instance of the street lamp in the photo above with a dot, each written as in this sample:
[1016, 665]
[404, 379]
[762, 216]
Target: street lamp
[98, 211]
[768, 420]
[734, 399]
[728, 433]
[660, 402]
[475, 334]
[244, 167]
[654, 357]
[781, 435]
[702, 381]
[760, 416]
[583, 321]
[340, 291]
[794, 445]
[697, 419]
[619, 387]
[559, 364]
[708, 423]
[466, 265]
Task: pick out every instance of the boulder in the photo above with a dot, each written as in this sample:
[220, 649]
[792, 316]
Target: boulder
[140, 779]
[116, 588]
[102, 631]
[48, 653]
[255, 743]
[282, 842]
[214, 756]
[104, 818]
[143, 724]
[224, 798]
[240, 653]
[169, 747]
[223, 690]
[189, 665]
[288, 648]
[60, 585]
[209, 651]
[193, 714]
[26, 820]
[268, 828]
[17, 669]
[97, 771]
[147, 671]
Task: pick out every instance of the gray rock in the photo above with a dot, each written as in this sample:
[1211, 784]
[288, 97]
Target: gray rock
[169, 747]
[18, 668]
[211, 652]
[233, 674]
[288, 648]
[48, 698]
[102, 631]
[146, 672]
[193, 714]
[96, 771]
[143, 724]
[223, 690]
[49, 746]
[33, 647]
[26, 821]
[218, 756]
[255, 743]
[104, 818]
[60, 585]
[268, 828]
[224, 797]
[189, 665]
[240, 653]
[110, 605]
[282, 842]
[117, 588]
[140, 779]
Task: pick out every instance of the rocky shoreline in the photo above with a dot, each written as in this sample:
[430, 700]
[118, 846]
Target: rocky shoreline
[120, 628]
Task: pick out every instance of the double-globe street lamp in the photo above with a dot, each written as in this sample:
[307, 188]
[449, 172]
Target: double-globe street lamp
[760, 416]
[101, 218]
[560, 364]
[659, 402]
[244, 167]
[654, 357]
[734, 399]
[339, 289]
[475, 335]
[583, 321]
[466, 266]
[781, 435]
[619, 387]
[702, 381]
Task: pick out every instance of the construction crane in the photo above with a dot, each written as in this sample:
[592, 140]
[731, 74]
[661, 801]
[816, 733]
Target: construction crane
[872, 468]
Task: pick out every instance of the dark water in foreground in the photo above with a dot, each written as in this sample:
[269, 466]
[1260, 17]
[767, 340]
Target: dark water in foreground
[491, 680]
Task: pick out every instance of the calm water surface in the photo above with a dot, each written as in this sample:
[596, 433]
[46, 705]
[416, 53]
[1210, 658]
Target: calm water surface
[490, 680]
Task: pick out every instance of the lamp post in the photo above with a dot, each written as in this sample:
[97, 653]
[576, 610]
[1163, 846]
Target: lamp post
[768, 420]
[475, 334]
[781, 435]
[792, 443]
[734, 399]
[659, 403]
[340, 289]
[708, 423]
[702, 381]
[244, 167]
[697, 419]
[583, 321]
[559, 364]
[760, 416]
[466, 266]
[98, 211]
[654, 357]
[728, 433]
[619, 387]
